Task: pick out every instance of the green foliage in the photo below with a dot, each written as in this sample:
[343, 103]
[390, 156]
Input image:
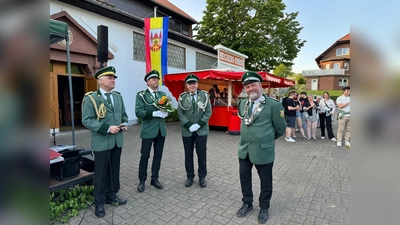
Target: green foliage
[65, 203]
[301, 80]
[257, 28]
[334, 94]
[172, 117]
[283, 71]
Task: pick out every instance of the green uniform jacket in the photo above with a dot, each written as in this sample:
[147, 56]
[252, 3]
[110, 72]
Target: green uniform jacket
[144, 109]
[189, 116]
[101, 140]
[258, 139]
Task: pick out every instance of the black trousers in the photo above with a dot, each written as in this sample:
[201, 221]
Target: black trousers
[106, 174]
[265, 174]
[201, 150]
[158, 143]
[326, 120]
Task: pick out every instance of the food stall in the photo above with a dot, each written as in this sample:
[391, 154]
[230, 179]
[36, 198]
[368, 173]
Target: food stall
[224, 113]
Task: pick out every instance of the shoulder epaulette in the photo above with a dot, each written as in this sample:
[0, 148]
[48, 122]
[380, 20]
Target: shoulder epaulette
[183, 93]
[140, 92]
[206, 92]
[88, 93]
[116, 92]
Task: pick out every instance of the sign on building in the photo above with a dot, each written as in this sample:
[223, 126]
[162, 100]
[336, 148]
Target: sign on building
[228, 58]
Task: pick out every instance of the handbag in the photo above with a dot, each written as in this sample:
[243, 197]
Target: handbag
[330, 109]
[305, 114]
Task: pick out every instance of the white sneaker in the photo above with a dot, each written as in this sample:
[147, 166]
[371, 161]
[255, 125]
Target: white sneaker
[333, 139]
[339, 144]
[290, 140]
[347, 144]
[322, 137]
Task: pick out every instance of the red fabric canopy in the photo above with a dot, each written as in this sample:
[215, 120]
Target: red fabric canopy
[175, 82]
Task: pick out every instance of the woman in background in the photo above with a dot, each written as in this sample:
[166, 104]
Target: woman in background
[311, 108]
[298, 118]
[327, 111]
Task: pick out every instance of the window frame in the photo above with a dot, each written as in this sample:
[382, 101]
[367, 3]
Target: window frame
[343, 82]
[342, 51]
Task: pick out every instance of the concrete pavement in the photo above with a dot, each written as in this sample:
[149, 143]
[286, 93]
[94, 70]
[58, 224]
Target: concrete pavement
[311, 183]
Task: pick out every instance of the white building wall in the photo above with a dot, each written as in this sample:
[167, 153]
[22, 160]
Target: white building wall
[120, 36]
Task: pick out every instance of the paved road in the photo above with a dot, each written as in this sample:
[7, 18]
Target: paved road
[311, 184]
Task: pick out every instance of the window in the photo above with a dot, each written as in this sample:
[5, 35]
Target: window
[176, 56]
[175, 25]
[204, 62]
[185, 29]
[139, 52]
[336, 66]
[346, 66]
[342, 51]
[74, 69]
[327, 66]
[343, 82]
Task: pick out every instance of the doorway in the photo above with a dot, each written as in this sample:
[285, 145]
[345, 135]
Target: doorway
[314, 84]
[78, 88]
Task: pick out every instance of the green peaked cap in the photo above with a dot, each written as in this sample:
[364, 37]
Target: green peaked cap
[250, 77]
[151, 74]
[106, 71]
[191, 78]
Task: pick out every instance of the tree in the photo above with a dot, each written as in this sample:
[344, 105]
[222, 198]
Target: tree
[257, 28]
[299, 78]
[283, 71]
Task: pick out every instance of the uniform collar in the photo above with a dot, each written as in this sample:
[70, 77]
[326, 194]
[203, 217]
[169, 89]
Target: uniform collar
[151, 90]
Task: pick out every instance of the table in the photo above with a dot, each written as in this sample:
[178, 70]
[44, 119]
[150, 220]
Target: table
[61, 184]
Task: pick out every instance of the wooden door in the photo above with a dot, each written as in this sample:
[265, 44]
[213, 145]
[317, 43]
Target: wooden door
[90, 84]
[54, 111]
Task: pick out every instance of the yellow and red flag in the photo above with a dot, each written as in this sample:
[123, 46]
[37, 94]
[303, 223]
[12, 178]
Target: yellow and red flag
[156, 40]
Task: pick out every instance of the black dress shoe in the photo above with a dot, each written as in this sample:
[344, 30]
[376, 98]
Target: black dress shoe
[116, 200]
[189, 182]
[99, 211]
[244, 210]
[202, 182]
[156, 184]
[263, 216]
[140, 188]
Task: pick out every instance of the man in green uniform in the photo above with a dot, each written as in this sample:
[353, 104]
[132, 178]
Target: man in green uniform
[194, 111]
[262, 122]
[153, 130]
[103, 113]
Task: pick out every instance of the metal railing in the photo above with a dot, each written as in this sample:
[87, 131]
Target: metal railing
[325, 72]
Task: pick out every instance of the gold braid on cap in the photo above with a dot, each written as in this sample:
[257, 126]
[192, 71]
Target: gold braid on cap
[105, 74]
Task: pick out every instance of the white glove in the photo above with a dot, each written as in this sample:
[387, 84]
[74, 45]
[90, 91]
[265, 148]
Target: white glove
[194, 127]
[197, 126]
[160, 114]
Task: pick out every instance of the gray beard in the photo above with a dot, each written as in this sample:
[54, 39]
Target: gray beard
[254, 96]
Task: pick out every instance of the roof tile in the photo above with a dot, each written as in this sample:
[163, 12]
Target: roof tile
[172, 7]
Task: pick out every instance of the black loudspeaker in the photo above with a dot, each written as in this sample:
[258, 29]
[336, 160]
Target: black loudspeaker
[102, 43]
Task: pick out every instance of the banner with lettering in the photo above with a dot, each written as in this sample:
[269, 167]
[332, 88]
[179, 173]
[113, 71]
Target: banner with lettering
[156, 41]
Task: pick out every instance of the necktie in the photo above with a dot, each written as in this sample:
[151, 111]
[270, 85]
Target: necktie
[155, 95]
[251, 108]
[193, 101]
[109, 99]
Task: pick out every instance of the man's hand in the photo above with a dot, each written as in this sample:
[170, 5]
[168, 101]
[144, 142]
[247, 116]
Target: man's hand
[194, 127]
[123, 126]
[114, 129]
